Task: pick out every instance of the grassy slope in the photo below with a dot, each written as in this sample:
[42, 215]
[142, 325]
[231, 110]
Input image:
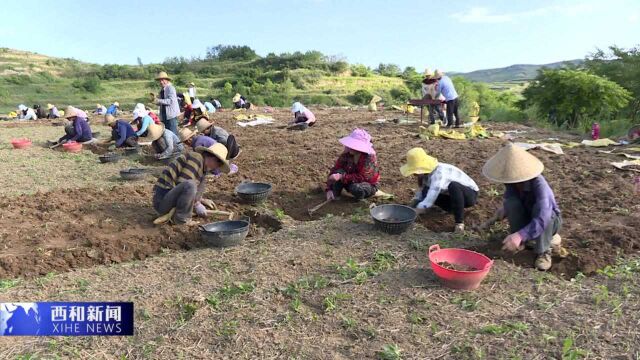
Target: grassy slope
[56, 89]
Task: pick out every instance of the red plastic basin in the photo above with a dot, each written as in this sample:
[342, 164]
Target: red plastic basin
[72, 146]
[21, 143]
[459, 279]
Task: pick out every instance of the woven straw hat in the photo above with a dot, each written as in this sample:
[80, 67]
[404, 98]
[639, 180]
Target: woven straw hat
[70, 112]
[220, 151]
[186, 134]
[203, 125]
[438, 74]
[162, 75]
[49, 106]
[428, 73]
[418, 162]
[512, 164]
[154, 132]
[109, 119]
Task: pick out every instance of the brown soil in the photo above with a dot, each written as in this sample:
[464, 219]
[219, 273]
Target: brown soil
[77, 228]
[457, 267]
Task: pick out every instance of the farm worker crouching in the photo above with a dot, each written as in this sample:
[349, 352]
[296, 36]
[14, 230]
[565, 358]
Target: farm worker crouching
[179, 189]
[122, 132]
[113, 109]
[529, 204]
[191, 90]
[209, 106]
[445, 88]
[164, 142]
[53, 112]
[39, 111]
[199, 111]
[79, 129]
[429, 84]
[356, 170]
[219, 135]
[142, 120]
[440, 184]
[302, 115]
[100, 110]
[151, 114]
[25, 113]
[168, 102]
[193, 140]
[240, 102]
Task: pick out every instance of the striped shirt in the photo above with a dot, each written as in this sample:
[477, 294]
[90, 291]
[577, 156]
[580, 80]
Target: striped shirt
[438, 182]
[189, 166]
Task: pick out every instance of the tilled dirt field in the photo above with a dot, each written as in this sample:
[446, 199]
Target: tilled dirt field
[64, 229]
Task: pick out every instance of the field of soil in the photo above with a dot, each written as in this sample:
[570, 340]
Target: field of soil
[70, 228]
[313, 293]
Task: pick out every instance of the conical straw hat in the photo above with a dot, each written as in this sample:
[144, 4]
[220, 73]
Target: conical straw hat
[512, 164]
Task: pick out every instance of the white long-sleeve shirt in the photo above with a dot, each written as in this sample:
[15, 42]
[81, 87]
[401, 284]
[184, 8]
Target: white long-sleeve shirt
[438, 182]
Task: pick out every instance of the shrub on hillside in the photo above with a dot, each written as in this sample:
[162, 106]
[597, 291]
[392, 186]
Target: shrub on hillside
[18, 79]
[400, 94]
[361, 97]
[90, 84]
[360, 70]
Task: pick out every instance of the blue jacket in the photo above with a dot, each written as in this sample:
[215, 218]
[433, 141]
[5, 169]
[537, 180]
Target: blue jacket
[112, 110]
[122, 132]
[83, 131]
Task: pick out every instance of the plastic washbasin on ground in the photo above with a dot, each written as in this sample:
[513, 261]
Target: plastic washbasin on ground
[21, 143]
[459, 279]
[72, 147]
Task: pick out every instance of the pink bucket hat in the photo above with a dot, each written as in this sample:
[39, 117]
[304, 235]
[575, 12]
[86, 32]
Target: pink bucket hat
[359, 140]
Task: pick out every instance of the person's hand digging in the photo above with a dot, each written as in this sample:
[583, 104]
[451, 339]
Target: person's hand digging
[330, 196]
[512, 243]
[208, 203]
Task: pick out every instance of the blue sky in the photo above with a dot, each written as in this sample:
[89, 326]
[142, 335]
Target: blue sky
[451, 35]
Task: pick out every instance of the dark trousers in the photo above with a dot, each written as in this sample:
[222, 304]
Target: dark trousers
[181, 197]
[452, 110]
[457, 198]
[171, 124]
[433, 110]
[358, 190]
[519, 217]
[70, 132]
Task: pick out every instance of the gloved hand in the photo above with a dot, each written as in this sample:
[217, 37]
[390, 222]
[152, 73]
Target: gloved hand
[512, 242]
[200, 209]
[234, 169]
[335, 177]
[330, 195]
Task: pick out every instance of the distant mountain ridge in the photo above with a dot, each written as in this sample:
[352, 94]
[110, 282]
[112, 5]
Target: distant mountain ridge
[514, 73]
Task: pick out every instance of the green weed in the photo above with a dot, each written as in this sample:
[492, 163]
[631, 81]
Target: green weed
[279, 213]
[348, 323]
[466, 302]
[570, 352]
[389, 352]
[295, 304]
[331, 301]
[8, 283]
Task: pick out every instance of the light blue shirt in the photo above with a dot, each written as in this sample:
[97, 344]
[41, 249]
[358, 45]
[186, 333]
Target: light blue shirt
[146, 121]
[446, 88]
[210, 107]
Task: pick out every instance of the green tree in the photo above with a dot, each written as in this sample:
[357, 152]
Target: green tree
[360, 70]
[361, 97]
[391, 70]
[568, 97]
[228, 88]
[621, 66]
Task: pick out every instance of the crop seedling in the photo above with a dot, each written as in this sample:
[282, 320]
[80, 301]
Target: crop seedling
[466, 302]
[570, 352]
[389, 352]
[348, 323]
[295, 304]
[330, 302]
[416, 319]
[279, 213]
[8, 283]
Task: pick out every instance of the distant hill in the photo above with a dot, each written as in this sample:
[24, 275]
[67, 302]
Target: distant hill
[514, 73]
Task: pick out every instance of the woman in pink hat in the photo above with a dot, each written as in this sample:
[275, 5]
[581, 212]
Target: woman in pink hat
[356, 170]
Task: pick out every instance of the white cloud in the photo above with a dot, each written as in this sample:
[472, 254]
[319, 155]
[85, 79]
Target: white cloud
[486, 16]
[634, 18]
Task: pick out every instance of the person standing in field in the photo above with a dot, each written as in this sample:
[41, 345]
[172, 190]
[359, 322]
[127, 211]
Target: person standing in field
[429, 84]
[529, 204]
[191, 90]
[168, 102]
[445, 88]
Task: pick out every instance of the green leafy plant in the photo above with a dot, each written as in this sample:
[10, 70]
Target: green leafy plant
[570, 352]
[389, 352]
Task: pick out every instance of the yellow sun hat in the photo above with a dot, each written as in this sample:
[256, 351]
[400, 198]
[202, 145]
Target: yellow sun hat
[49, 106]
[418, 162]
[236, 98]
